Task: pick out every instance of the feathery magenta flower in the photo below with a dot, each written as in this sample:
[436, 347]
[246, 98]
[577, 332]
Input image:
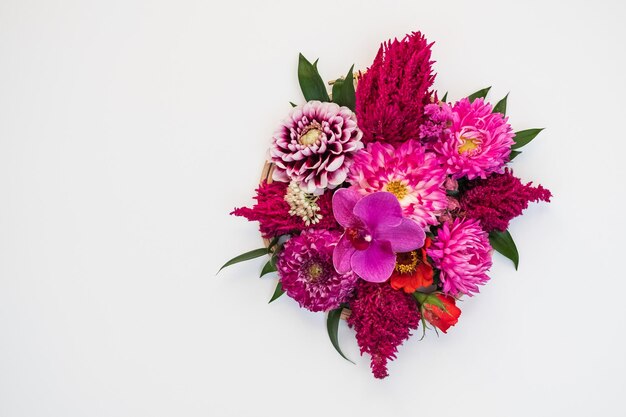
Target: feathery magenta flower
[462, 252]
[391, 95]
[307, 274]
[479, 142]
[375, 230]
[495, 201]
[272, 212]
[408, 172]
[382, 318]
[314, 146]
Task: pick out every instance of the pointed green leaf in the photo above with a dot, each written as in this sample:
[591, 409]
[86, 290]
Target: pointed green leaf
[514, 153]
[277, 292]
[501, 106]
[503, 243]
[332, 324]
[293, 104]
[268, 268]
[432, 299]
[524, 136]
[246, 257]
[344, 94]
[311, 83]
[445, 97]
[479, 94]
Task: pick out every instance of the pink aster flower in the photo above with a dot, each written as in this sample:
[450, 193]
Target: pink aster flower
[375, 231]
[314, 146]
[410, 173]
[479, 142]
[307, 274]
[462, 252]
[382, 318]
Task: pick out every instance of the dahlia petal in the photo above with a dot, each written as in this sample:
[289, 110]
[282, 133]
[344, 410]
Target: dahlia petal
[405, 237]
[376, 263]
[344, 201]
[379, 210]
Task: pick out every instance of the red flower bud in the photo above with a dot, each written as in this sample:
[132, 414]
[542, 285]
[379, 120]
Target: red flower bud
[441, 311]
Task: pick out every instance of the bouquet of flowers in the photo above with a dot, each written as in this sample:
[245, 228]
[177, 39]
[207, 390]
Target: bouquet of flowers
[382, 203]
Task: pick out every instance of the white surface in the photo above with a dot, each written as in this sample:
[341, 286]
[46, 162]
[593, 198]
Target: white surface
[130, 129]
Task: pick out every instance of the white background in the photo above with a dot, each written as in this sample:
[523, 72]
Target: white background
[130, 129]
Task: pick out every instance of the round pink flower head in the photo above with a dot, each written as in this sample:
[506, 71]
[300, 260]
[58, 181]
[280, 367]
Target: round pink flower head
[307, 274]
[462, 252]
[408, 172]
[375, 231]
[479, 142]
[314, 146]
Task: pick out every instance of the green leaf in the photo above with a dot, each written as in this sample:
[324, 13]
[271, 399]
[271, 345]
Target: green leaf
[311, 83]
[514, 153]
[332, 324]
[432, 299]
[246, 257]
[503, 243]
[479, 94]
[343, 91]
[293, 104]
[269, 267]
[445, 97]
[523, 137]
[277, 292]
[501, 106]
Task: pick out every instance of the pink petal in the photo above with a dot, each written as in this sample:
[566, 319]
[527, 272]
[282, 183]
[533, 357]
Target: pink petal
[405, 237]
[342, 254]
[344, 201]
[376, 263]
[379, 210]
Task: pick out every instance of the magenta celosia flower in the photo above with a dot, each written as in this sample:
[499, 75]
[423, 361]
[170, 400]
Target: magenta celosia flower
[479, 142]
[314, 146]
[461, 251]
[307, 274]
[499, 198]
[382, 318]
[408, 172]
[391, 95]
[272, 212]
[375, 230]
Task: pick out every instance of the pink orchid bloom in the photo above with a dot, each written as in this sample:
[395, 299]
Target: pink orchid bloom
[374, 231]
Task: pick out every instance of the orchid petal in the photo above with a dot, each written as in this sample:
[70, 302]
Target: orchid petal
[405, 237]
[344, 201]
[342, 254]
[379, 210]
[376, 263]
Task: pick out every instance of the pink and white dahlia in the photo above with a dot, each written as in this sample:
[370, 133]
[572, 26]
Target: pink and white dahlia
[462, 252]
[479, 142]
[307, 274]
[413, 175]
[315, 145]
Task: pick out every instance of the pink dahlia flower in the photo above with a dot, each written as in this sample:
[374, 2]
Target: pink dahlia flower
[307, 274]
[408, 172]
[375, 231]
[314, 146]
[479, 142]
[462, 252]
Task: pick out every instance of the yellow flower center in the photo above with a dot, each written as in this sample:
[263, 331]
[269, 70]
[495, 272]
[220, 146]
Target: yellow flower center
[311, 134]
[406, 262]
[315, 271]
[397, 188]
[468, 145]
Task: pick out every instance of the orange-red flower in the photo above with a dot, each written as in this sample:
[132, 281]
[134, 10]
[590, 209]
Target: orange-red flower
[412, 270]
[441, 312]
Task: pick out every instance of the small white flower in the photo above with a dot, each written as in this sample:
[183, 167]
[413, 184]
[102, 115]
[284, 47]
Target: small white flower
[302, 204]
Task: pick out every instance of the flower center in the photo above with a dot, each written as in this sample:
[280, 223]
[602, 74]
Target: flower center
[359, 238]
[470, 141]
[315, 271]
[311, 134]
[406, 262]
[397, 188]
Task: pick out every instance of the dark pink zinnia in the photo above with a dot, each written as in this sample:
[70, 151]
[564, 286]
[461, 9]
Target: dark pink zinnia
[272, 212]
[391, 95]
[499, 198]
[382, 318]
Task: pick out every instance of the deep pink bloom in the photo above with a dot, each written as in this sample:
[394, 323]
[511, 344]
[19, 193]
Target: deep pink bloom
[375, 230]
[437, 122]
[307, 274]
[391, 95]
[411, 174]
[314, 146]
[479, 142]
[462, 252]
[272, 212]
[382, 318]
[499, 198]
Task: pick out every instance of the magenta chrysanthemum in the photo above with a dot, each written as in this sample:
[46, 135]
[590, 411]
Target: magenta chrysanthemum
[462, 252]
[411, 174]
[314, 146]
[382, 318]
[307, 274]
[479, 142]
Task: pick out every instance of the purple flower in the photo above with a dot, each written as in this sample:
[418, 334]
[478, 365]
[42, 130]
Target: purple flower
[375, 230]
